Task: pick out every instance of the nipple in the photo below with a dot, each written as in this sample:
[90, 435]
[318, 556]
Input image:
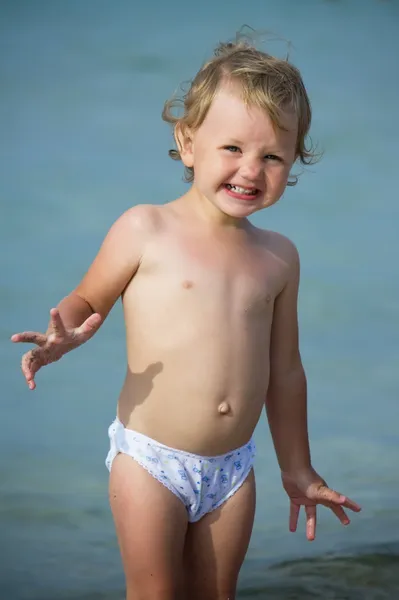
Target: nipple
[224, 408]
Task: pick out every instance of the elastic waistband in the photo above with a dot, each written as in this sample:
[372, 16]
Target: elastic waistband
[145, 439]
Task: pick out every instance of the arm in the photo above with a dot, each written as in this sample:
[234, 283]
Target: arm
[286, 401]
[73, 311]
[80, 314]
[115, 264]
[286, 406]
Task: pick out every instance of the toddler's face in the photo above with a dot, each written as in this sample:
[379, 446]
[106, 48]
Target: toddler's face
[241, 160]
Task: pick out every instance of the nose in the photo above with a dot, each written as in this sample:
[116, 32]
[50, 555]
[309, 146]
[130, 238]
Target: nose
[251, 169]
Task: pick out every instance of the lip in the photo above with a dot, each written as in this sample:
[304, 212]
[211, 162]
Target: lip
[244, 197]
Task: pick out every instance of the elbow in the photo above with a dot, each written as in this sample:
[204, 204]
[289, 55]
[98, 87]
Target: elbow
[80, 298]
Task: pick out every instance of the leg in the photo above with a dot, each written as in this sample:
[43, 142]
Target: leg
[151, 524]
[216, 546]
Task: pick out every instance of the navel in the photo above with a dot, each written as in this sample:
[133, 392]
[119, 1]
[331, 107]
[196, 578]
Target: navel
[224, 408]
[187, 284]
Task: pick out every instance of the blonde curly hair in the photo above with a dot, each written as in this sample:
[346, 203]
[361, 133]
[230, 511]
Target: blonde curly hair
[267, 82]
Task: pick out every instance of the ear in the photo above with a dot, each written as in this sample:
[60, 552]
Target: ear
[185, 146]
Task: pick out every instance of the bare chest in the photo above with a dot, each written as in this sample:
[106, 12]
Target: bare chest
[240, 281]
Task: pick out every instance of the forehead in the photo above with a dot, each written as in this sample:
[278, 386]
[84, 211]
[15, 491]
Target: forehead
[228, 114]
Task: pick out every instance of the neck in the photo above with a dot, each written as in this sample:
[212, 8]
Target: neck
[204, 210]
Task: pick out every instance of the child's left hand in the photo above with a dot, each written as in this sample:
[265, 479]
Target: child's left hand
[307, 488]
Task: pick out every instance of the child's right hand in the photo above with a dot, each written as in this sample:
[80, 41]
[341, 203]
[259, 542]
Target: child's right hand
[51, 346]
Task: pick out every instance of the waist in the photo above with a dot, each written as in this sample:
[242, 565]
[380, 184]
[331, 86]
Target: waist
[155, 443]
[192, 424]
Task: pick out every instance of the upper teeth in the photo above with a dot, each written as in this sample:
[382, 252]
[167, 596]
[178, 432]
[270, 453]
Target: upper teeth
[241, 190]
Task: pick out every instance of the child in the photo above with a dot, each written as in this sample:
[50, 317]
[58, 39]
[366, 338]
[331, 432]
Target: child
[210, 304]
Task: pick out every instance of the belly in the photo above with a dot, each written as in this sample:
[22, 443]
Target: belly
[180, 372]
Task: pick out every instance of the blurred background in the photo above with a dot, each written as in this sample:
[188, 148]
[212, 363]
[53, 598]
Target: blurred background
[82, 86]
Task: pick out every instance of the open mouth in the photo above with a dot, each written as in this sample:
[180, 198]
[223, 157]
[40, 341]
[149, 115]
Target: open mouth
[240, 192]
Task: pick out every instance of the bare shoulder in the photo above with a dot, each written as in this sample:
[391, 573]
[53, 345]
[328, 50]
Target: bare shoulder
[137, 226]
[119, 257]
[142, 218]
[281, 257]
[281, 247]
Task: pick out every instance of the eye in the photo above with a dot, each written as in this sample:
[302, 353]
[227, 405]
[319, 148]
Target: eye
[233, 149]
[273, 157]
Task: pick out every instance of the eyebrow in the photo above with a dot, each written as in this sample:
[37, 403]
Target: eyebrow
[267, 150]
[235, 142]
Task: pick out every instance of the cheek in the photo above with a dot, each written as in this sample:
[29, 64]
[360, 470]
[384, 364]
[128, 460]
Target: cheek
[281, 174]
[225, 164]
[215, 166]
[277, 178]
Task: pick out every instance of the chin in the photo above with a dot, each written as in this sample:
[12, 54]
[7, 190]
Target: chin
[240, 210]
[241, 214]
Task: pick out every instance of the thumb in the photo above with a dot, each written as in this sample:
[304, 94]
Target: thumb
[91, 324]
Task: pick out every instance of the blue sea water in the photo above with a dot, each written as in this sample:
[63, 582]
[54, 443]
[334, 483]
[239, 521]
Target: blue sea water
[82, 85]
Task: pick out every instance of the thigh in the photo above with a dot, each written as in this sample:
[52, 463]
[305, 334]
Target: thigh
[151, 524]
[217, 544]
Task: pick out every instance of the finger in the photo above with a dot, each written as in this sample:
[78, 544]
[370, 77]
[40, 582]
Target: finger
[57, 325]
[30, 337]
[29, 369]
[31, 384]
[29, 376]
[325, 495]
[310, 522]
[348, 503]
[29, 364]
[90, 326]
[329, 496]
[341, 514]
[34, 360]
[294, 514]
